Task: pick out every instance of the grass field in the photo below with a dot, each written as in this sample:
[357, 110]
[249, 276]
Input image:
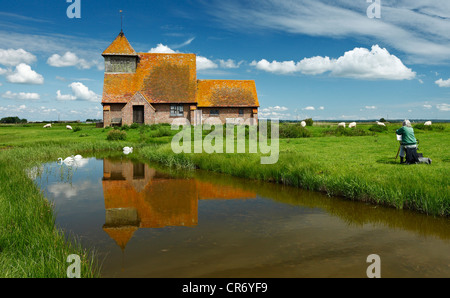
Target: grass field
[355, 164]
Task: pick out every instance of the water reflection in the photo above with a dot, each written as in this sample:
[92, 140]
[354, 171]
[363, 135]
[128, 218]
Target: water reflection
[137, 196]
[148, 221]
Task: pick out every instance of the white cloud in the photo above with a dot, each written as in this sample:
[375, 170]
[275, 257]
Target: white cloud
[68, 59]
[80, 92]
[13, 57]
[3, 71]
[309, 108]
[275, 108]
[160, 48]
[359, 63]
[187, 42]
[64, 97]
[230, 63]
[427, 106]
[24, 75]
[284, 67]
[444, 107]
[370, 107]
[321, 108]
[275, 112]
[418, 28]
[204, 63]
[21, 95]
[443, 83]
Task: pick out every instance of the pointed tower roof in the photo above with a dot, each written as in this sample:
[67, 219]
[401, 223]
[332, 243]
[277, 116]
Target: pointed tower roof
[120, 46]
[121, 235]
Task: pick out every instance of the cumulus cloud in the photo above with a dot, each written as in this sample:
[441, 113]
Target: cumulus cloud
[427, 106]
[79, 92]
[359, 63]
[64, 97]
[443, 107]
[418, 28]
[68, 59]
[443, 83]
[160, 48]
[230, 63]
[370, 107]
[275, 112]
[13, 57]
[275, 108]
[309, 108]
[204, 63]
[321, 108]
[21, 95]
[23, 74]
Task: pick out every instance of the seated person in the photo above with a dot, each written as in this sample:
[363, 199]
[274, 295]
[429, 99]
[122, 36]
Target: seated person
[408, 139]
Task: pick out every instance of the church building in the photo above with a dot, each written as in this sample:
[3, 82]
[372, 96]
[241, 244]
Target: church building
[151, 88]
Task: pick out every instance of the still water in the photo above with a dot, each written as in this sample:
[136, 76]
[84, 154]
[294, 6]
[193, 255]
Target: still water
[148, 221]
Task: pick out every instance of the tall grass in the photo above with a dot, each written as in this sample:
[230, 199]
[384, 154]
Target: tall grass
[358, 168]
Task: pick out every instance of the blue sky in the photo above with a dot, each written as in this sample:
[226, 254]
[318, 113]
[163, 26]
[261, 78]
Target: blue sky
[312, 58]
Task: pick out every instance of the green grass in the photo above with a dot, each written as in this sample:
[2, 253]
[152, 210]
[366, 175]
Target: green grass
[357, 165]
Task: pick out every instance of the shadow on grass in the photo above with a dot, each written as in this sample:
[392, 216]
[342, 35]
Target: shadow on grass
[389, 161]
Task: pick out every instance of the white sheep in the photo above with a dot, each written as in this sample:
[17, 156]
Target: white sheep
[68, 127]
[353, 124]
[303, 123]
[47, 125]
[381, 123]
[342, 124]
[427, 123]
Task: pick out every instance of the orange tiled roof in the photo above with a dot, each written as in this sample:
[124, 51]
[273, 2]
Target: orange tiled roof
[161, 78]
[172, 78]
[120, 46]
[226, 93]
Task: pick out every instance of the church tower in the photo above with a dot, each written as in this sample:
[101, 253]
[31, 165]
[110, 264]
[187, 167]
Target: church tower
[120, 57]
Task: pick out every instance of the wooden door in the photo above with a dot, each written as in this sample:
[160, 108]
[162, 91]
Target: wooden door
[138, 114]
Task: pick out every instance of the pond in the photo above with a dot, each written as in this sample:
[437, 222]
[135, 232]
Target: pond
[148, 221]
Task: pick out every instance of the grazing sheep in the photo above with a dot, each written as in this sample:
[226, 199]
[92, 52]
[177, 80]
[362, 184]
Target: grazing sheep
[303, 123]
[381, 123]
[342, 124]
[353, 124]
[69, 127]
[427, 123]
[47, 125]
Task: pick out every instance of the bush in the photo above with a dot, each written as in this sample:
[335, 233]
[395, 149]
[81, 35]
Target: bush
[76, 128]
[116, 135]
[134, 126]
[288, 131]
[378, 128]
[341, 131]
[422, 126]
[125, 127]
[13, 120]
[309, 122]
[161, 131]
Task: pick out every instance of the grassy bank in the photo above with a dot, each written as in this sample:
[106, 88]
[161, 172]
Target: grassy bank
[358, 165]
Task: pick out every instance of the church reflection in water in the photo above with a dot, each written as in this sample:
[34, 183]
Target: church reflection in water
[137, 196]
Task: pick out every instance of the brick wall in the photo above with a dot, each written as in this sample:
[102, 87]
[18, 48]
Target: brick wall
[225, 113]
